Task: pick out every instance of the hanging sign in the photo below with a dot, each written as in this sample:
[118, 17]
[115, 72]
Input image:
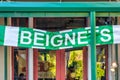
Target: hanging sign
[34, 38]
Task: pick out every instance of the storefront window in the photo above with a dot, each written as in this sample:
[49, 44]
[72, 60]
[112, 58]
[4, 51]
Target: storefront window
[74, 69]
[46, 65]
[46, 59]
[19, 55]
[20, 22]
[101, 63]
[57, 24]
[19, 63]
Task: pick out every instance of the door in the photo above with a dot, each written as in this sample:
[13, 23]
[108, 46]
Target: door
[19, 55]
[59, 67]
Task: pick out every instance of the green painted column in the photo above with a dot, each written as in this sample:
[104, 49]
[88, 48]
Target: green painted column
[5, 55]
[93, 45]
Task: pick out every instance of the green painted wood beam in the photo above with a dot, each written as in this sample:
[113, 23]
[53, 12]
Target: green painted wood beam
[56, 14]
[43, 14]
[93, 45]
[60, 6]
[108, 14]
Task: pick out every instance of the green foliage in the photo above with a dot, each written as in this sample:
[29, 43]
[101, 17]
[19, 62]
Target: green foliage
[100, 71]
[76, 63]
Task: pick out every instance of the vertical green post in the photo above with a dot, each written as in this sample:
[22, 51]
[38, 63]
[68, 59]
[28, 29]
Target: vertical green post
[93, 45]
[5, 55]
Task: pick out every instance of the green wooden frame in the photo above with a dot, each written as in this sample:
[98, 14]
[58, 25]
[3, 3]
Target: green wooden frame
[64, 9]
[60, 6]
[58, 9]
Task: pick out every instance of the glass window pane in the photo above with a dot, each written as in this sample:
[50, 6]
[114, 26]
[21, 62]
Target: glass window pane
[19, 63]
[101, 61]
[57, 24]
[20, 54]
[74, 60]
[46, 65]
[21, 22]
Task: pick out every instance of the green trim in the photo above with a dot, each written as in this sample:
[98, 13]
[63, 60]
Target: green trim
[5, 56]
[57, 9]
[93, 45]
[58, 14]
[107, 14]
[59, 6]
[44, 14]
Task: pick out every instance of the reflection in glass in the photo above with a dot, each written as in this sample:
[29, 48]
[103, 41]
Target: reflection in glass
[74, 65]
[19, 63]
[46, 65]
[101, 63]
